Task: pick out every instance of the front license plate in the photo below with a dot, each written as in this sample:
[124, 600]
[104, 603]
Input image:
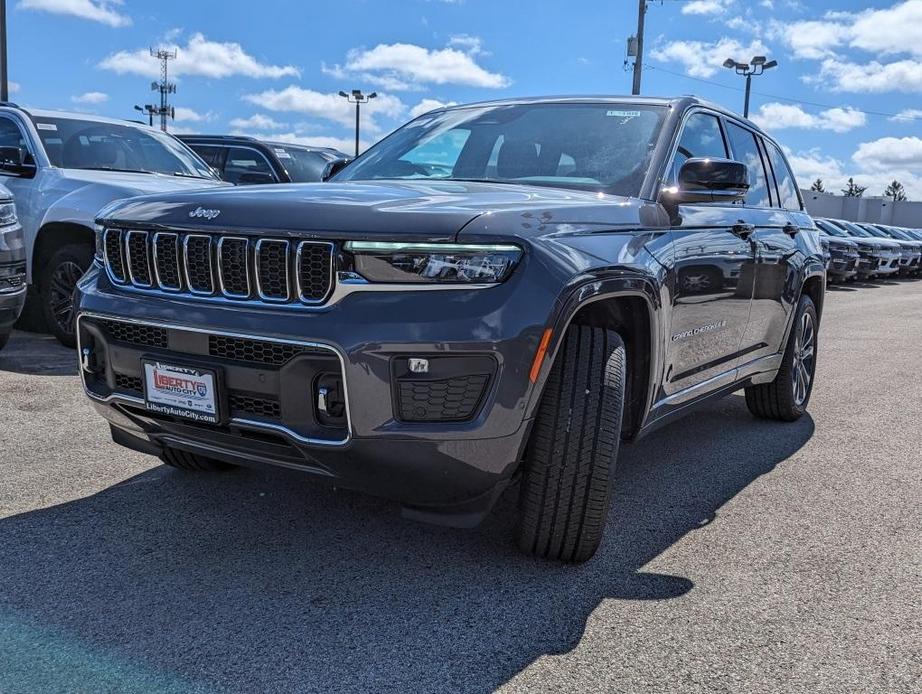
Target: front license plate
[181, 390]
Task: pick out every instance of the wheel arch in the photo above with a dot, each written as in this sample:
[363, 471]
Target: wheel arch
[814, 286]
[52, 236]
[630, 306]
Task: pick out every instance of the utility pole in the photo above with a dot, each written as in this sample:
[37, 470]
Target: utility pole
[638, 60]
[164, 86]
[356, 97]
[4, 82]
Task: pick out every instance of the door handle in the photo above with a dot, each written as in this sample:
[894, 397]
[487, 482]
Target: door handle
[791, 229]
[744, 231]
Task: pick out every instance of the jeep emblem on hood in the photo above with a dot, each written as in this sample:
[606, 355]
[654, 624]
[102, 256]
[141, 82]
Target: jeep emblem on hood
[202, 213]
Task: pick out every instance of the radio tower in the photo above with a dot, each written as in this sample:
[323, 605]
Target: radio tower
[164, 86]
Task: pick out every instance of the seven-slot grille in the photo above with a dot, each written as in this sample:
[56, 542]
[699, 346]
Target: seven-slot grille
[236, 267]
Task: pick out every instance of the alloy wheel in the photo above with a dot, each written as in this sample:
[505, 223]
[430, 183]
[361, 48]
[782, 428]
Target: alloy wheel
[61, 294]
[804, 358]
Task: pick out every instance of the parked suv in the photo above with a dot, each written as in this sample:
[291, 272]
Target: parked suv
[12, 265]
[875, 256]
[911, 248]
[246, 160]
[843, 254]
[491, 293]
[62, 168]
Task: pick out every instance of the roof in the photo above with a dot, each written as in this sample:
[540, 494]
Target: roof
[248, 138]
[47, 113]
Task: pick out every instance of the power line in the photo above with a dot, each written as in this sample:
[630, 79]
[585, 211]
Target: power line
[783, 98]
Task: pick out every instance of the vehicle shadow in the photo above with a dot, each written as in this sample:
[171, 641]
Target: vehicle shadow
[41, 355]
[266, 581]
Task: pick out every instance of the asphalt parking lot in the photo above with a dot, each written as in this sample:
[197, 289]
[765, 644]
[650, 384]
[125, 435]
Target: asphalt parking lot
[741, 555]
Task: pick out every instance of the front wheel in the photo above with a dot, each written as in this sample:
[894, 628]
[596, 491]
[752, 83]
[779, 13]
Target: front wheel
[570, 457]
[58, 285]
[786, 397]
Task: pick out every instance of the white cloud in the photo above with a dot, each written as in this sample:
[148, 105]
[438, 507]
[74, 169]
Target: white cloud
[777, 116]
[812, 164]
[427, 105]
[329, 105]
[706, 7]
[873, 77]
[889, 153]
[90, 98]
[408, 66]
[13, 87]
[103, 11]
[896, 29]
[199, 57]
[907, 114]
[191, 116]
[812, 39]
[257, 121]
[704, 59]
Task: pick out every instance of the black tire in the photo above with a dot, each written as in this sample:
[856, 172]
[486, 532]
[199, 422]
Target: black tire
[4, 338]
[786, 398]
[570, 457]
[57, 286]
[192, 461]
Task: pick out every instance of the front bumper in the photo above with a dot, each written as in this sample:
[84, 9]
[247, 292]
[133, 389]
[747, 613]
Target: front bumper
[12, 276]
[443, 470]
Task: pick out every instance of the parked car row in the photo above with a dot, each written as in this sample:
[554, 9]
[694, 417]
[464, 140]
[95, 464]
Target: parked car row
[62, 168]
[866, 250]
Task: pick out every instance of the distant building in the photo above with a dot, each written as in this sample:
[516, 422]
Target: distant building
[907, 213]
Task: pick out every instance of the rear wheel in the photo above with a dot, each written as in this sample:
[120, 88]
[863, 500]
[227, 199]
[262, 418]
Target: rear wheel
[786, 397]
[192, 461]
[4, 338]
[570, 458]
[58, 284]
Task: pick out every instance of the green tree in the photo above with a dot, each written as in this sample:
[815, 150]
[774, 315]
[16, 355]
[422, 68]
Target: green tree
[895, 191]
[818, 186]
[853, 190]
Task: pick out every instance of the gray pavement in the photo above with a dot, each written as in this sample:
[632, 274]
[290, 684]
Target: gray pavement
[741, 555]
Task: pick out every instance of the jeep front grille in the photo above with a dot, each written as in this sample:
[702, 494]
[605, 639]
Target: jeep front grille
[266, 270]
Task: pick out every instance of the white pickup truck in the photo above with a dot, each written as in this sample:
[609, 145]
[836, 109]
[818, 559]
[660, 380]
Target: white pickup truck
[62, 168]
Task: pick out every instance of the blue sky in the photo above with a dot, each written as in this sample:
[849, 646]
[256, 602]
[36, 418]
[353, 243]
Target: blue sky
[846, 99]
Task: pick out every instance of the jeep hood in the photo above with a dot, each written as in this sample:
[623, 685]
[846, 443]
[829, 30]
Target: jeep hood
[402, 210]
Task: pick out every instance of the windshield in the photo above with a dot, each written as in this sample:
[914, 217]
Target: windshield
[302, 165]
[600, 146]
[830, 228]
[84, 144]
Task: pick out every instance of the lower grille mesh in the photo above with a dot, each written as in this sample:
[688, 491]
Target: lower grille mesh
[454, 399]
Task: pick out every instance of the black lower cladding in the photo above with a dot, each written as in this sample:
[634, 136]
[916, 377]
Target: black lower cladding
[261, 380]
[441, 389]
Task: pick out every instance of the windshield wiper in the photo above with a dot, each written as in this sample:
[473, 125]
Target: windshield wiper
[183, 174]
[112, 168]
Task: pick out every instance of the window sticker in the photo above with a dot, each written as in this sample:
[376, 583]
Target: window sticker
[281, 153]
[622, 114]
[46, 126]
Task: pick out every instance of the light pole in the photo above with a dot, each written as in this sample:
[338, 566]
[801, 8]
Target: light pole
[754, 67]
[4, 82]
[150, 110]
[357, 98]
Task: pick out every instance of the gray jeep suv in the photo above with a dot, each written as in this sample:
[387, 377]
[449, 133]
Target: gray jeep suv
[494, 292]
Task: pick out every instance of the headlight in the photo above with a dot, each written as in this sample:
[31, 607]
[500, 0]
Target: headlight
[433, 262]
[7, 213]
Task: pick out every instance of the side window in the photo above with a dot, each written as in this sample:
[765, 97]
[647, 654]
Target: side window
[745, 149]
[701, 137]
[11, 135]
[247, 164]
[210, 154]
[787, 186]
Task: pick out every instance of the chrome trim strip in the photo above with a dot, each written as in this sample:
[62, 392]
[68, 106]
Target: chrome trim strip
[146, 255]
[121, 250]
[330, 289]
[160, 283]
[185, 258]
[246, 266]
[259, 289]
[248, 423]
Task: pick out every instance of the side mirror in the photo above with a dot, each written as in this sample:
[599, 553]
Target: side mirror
[333, 168]
[13, 162]
[709, 180]
[255, 178]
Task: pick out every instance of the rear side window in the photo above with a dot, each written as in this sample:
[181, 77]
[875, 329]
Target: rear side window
[787, 186]
[210, 154]
[701, 137]
[245, 165]
[746, 150]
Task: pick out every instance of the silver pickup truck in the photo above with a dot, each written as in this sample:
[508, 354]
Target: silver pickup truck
[62, 168]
